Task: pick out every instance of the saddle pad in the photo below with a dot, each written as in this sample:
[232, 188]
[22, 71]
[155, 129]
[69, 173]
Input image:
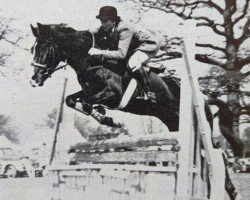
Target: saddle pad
[128, 93]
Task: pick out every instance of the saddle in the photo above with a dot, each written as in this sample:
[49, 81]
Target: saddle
[129, 84]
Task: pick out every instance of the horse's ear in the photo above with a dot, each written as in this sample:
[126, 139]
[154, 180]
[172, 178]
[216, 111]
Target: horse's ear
[39, 25]
[44, 30]
[34, 30]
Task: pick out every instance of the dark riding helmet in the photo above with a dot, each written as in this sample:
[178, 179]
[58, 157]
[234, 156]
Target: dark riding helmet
[107, 12]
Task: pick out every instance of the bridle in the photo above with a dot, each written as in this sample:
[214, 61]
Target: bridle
[48, 68]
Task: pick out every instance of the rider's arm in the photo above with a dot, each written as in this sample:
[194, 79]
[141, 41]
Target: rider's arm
[123, 45]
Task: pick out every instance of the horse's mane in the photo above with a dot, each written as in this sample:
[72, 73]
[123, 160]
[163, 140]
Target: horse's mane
[63, 28]
[68, 36]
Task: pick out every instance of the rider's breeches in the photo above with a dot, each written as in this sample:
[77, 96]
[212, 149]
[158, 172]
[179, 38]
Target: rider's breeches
[139, 58]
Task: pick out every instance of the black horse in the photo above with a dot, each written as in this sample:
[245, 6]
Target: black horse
[101, 85]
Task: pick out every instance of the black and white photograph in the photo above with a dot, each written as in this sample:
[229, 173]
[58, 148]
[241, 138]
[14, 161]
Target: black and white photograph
[125, 100]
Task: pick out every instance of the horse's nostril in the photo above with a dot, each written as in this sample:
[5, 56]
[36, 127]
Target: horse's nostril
[32, 83]
[40, 84]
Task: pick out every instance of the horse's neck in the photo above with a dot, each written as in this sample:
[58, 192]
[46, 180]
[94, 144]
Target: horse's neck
[74, 48]
[79, 65]
[75, 44]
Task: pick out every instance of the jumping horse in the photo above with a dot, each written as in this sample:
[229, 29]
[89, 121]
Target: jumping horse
[101, 85]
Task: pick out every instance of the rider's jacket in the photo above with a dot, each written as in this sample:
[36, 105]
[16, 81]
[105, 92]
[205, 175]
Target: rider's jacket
[125, 39]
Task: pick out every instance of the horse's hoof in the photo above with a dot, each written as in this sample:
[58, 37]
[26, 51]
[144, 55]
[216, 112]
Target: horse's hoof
[100, 109]
[106, 121]
[117, 125]
[71, 151]
[109, 122]
[86, 108]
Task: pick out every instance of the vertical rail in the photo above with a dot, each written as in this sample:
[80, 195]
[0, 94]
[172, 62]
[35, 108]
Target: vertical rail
[213, 158]
[183, 187]
[68, 135]
[58, 119]
[199, 110]
[198, 186]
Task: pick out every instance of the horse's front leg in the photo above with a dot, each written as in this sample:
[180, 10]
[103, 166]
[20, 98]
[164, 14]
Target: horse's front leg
[98, 112]
[77, 101]
[80, 102]
[104, 120]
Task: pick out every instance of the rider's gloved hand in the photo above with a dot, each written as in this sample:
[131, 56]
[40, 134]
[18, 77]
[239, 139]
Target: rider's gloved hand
[94, 51]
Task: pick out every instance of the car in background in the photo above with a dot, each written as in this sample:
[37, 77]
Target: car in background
[38, 161]
[11, 165]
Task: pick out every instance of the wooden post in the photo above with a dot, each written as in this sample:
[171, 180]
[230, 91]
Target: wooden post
[183, 174]
[55, 152]
[58, 118]
[213, 157]
[67, 131]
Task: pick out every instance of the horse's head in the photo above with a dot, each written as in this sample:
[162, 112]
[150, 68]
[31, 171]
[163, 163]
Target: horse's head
[46, 54]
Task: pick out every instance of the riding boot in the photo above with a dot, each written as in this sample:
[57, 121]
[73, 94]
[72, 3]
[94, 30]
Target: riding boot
[142, 77]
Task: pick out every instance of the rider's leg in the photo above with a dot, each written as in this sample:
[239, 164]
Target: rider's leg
[135, 64]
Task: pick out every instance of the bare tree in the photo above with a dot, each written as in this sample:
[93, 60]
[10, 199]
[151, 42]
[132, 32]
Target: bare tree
[231, 56]
[7, 29]
[233, 59]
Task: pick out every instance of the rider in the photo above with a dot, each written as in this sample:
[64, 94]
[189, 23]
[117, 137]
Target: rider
[131, 42]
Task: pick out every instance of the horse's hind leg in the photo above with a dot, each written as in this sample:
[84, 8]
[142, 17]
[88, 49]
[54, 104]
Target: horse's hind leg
[170, 119]
[167, 109]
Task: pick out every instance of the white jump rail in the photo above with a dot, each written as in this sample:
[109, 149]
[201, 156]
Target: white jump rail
[203, 173]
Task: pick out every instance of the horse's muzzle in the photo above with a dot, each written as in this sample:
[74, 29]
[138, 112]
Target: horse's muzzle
[33, 83]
